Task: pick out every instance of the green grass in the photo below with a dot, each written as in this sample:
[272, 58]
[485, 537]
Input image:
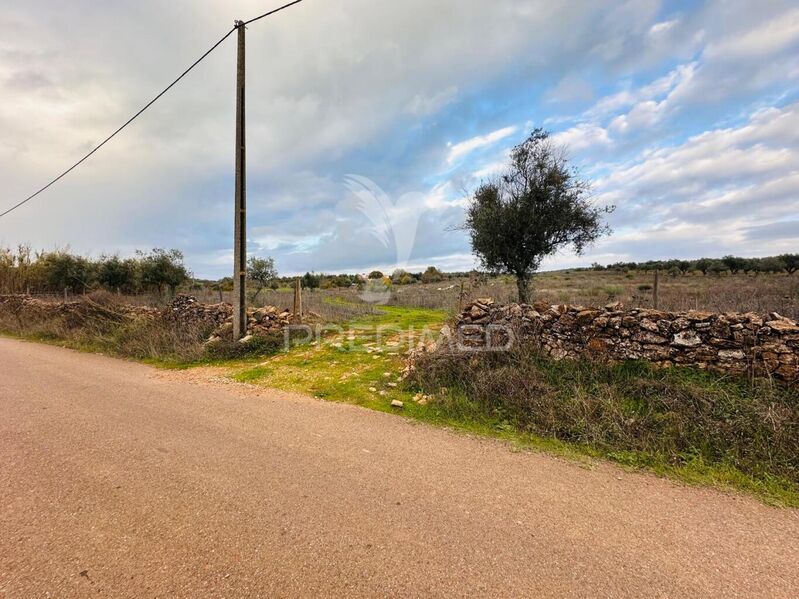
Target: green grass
[359, 363]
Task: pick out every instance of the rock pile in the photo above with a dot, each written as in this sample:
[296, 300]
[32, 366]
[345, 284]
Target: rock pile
[186, 309]
[728, 342]
[260, 321]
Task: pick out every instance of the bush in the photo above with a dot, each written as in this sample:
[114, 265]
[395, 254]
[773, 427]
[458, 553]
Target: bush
[676, 415]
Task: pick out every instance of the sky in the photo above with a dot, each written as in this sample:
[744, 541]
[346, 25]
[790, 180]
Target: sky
[369, 123]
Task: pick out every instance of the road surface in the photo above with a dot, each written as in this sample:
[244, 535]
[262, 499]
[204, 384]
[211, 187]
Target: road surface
[124, 481]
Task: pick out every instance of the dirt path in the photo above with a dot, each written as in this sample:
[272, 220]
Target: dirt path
[123, 481]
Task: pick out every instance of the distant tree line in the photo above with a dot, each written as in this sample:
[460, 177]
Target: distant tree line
[312, 280]
[785, 263]
[158, 271]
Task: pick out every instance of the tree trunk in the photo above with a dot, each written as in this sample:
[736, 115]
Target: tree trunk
[523, 286]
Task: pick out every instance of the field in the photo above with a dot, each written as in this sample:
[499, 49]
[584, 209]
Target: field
[761, 293]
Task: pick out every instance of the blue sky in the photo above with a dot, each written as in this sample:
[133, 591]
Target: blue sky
[685, 116]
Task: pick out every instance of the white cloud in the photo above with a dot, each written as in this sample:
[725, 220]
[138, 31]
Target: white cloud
[461, 149]
[663, 27]
[711, 186]
[763, 40]
[582, 136]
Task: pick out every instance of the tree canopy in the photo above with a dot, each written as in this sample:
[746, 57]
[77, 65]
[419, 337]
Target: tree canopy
[538, 206]
[262, 272]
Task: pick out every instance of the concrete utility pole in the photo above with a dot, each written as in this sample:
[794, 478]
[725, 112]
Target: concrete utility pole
[240, 226]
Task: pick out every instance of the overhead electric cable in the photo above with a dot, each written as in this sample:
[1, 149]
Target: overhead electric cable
[146, 106]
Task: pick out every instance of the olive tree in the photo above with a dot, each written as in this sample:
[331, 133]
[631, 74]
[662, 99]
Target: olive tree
[262, 272]
[162, 268]
[536, 207]
[791, 262]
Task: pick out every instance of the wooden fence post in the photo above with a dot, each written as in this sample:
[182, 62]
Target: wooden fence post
[298, 301]
[655, 289]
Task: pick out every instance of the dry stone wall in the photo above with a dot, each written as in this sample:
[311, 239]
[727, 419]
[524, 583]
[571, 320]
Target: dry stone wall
[729, 342]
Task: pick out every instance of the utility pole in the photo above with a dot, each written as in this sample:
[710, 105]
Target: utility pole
[240, 226]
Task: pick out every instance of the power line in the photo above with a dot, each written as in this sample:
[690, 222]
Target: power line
[271, 12]
[146, 106]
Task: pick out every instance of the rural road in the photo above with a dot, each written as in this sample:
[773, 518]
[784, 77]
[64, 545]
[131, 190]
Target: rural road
[124, 481]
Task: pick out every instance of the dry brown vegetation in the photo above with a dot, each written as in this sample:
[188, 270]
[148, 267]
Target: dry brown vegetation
[632, 411]
[761, 293]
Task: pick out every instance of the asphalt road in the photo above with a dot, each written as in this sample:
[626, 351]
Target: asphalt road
[123, 481]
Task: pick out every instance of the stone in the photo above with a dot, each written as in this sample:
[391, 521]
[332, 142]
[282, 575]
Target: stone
[655, 352]
[650, 325]
[686, 339]
[720, 328]
[395, 403]
[586, 316]
[648, 337]
[783, 326]
[629, 322]
[477, 312]
[598, 344]
[698, 315]
[680, 324]
[727, 355]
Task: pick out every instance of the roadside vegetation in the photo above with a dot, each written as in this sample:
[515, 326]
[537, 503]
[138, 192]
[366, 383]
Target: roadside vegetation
[699, 426]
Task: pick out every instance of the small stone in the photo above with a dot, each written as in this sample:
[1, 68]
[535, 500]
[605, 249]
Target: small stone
[686, 339]
[727, 355]
[395, 403]
[783, 326]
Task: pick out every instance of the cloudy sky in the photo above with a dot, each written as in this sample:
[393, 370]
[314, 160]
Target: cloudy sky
[369, 121]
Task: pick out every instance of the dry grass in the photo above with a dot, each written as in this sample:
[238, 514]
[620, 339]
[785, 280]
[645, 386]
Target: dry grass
[725, 293]
[95, 323]
[762, 293]
[631, 412]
